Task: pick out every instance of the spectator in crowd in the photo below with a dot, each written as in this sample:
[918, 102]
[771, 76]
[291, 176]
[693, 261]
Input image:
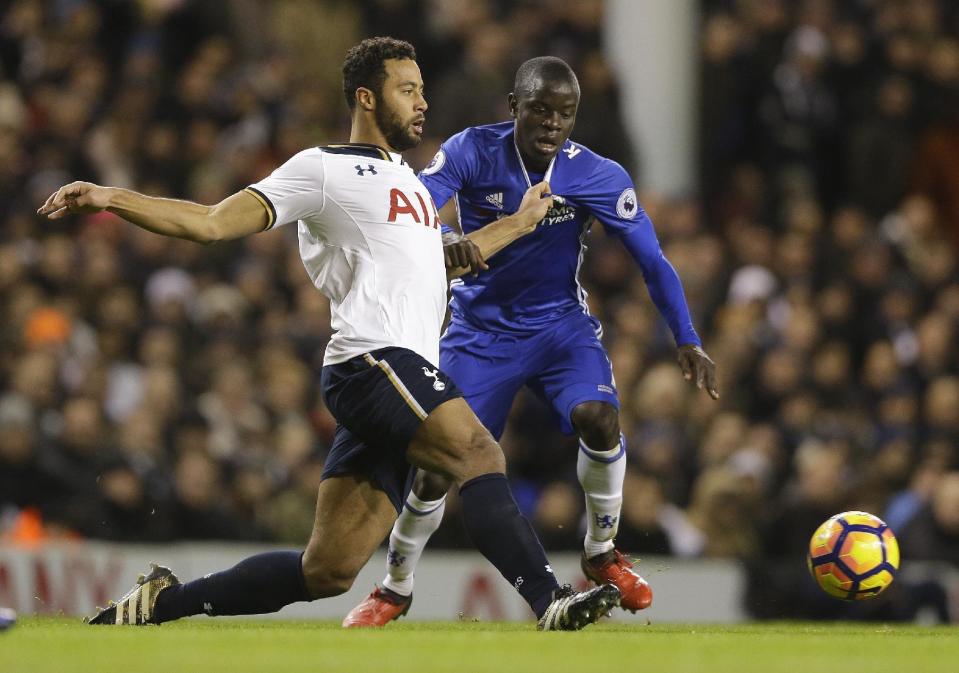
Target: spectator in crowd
[24, 481]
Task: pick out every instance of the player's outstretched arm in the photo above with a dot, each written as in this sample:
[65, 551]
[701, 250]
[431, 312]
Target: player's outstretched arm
[666, 290]
[238, 215]
[497, 235]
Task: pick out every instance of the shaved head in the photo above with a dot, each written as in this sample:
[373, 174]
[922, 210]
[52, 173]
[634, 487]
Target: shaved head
[535, 72]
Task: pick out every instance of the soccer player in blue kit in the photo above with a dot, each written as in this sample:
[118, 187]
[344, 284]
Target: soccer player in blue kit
[523, 319]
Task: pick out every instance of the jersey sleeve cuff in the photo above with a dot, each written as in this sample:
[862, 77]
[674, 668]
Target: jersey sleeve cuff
[265, 201]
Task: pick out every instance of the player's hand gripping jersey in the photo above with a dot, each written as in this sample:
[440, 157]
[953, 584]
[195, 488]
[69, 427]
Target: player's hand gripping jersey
[370, 240]
[535, 281]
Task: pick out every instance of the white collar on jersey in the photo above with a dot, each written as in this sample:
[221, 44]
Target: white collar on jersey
[549, 169]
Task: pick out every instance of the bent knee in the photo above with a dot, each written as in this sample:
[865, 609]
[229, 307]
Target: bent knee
[597, 424]
[325, 578]
[486, 452]
[456, 446]
[479, 454]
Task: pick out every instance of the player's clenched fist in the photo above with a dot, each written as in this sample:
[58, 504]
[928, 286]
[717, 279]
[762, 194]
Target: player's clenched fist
[536, 202]
[460, 252]
[77, 197]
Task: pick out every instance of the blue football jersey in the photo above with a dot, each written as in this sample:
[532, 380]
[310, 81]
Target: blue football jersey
[535, 280]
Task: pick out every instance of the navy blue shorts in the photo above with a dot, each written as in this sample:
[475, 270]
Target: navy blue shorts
[379, 399]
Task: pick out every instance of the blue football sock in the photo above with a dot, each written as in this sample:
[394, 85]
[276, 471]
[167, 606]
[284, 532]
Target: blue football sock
[257, 585]
[505, 537]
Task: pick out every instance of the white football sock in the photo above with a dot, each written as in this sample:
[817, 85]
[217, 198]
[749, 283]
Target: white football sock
[412, 530]
[601, 474]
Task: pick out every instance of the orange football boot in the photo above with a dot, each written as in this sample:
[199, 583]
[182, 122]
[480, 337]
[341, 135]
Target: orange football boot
[613, 568]
[378, 609]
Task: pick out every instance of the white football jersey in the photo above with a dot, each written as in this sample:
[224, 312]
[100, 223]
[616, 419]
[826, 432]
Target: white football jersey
[370, 240]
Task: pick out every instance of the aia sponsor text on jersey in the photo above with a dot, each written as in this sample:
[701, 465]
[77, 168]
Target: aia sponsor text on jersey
[401, 204]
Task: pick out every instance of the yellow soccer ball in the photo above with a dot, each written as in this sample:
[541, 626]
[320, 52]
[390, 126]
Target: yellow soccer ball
[853, 556]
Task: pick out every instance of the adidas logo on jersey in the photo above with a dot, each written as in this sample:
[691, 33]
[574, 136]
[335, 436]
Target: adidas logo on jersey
[572, 151]
[496, 199]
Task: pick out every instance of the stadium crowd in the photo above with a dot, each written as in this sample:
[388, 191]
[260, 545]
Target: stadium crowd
[155, 390]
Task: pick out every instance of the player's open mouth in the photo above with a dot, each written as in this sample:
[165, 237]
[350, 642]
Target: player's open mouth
[418, 126]
[545, 145]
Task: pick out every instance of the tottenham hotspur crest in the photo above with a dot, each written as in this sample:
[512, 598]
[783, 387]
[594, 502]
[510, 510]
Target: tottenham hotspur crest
[435, 375]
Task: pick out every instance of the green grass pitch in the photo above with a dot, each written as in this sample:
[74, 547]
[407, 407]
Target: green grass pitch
[42, 645]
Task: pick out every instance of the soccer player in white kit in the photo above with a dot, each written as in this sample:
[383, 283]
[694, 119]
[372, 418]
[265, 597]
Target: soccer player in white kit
[370, 240]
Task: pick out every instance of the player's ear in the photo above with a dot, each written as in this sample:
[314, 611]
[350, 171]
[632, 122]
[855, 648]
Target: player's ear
[511, 102]
[365, 99]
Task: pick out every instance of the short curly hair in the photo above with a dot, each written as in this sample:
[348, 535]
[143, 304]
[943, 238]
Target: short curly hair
[363, 66]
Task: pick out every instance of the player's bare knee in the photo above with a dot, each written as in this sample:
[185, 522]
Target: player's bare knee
[484, 455]
[461, 455]
[332, 585]
[325, 578]
[597, 424]
[327, 574]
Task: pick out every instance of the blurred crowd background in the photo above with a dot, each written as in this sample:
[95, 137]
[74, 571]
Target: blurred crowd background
[156, 390]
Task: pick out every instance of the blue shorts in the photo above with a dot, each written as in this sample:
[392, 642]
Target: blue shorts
[564, 365]
[379, 399]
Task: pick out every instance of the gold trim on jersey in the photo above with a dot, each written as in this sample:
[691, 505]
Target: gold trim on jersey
[400, 388]
[265, 202]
